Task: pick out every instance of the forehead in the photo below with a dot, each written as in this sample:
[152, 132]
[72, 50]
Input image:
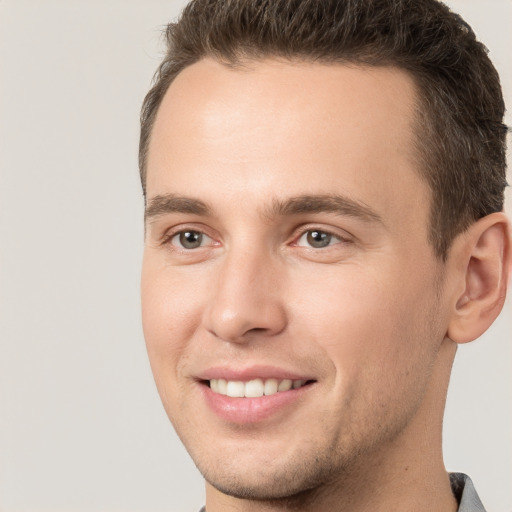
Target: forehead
[289, 128]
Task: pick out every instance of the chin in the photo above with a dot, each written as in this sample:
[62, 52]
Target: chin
[268, 488]
[270, 481]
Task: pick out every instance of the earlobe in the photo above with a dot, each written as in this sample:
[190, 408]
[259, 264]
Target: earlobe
[485, 254]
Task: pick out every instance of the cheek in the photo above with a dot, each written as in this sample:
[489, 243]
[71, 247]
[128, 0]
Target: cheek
[170, 316]
[380, 338]
[376, 331]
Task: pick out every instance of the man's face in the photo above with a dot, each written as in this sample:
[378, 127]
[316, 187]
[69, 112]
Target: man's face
[286, 241]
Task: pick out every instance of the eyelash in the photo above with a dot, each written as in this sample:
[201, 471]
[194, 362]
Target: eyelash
[169, 236]
[327, 233]
[303, 232]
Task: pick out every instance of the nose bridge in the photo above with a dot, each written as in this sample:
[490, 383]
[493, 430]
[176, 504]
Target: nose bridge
[246, 299]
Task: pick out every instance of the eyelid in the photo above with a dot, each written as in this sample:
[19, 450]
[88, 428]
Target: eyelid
[179, 245]
[170, 233]
[341, 235]
[333, 240]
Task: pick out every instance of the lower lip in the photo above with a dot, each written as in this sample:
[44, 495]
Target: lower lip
[252, 410]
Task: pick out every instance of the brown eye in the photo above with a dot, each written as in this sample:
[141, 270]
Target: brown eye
[189, 239]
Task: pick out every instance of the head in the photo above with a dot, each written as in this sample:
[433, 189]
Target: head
[323, 212]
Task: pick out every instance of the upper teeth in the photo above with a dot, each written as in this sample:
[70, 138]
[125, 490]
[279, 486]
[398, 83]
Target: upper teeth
[253, 388]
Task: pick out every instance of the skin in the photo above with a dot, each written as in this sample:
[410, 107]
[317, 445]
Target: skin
[369, 317]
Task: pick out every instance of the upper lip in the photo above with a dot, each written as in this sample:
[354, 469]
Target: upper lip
[250, 373]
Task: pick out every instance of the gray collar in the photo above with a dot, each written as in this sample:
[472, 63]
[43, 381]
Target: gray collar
[465, 492]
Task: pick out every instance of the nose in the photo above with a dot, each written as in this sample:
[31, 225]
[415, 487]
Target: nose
[246, 302]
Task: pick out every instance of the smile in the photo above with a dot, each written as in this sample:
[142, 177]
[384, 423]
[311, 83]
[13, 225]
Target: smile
[253, 388]
[255, 393]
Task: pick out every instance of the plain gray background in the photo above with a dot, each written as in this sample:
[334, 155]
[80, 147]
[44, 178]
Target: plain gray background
[81, 425]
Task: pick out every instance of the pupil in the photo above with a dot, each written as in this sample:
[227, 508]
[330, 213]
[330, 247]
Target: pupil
[319, 239]
[191, 239]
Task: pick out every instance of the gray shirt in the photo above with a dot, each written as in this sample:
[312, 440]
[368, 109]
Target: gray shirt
[465, 492]
[463, 489]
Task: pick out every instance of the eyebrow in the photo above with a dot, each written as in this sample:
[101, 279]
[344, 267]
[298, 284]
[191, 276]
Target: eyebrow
[326, 203]
[171, 203]
[322, 203]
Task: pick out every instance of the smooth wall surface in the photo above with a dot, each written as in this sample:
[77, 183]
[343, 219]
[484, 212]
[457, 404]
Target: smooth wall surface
[81, 425]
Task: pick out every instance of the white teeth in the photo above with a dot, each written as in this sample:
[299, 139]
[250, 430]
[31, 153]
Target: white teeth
[222, 386]
[254, 388]
[270, 387]
[284, 385]
[235, 389]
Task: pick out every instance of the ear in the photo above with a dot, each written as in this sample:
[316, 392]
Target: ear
[484, 257]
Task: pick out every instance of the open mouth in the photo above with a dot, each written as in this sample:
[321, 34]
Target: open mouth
[254, 388]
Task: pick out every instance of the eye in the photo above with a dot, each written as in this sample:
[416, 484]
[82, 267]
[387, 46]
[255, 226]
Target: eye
[190, 239]
[317, 239]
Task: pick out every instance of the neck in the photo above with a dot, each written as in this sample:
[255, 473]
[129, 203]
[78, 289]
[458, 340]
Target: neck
[406, 474]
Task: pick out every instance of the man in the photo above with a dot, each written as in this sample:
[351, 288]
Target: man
[324, 192]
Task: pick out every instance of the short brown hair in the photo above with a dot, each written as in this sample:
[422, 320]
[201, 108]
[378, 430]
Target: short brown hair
[461, 138]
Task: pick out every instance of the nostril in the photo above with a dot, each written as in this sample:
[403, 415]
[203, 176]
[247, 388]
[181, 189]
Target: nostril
[256, 330]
